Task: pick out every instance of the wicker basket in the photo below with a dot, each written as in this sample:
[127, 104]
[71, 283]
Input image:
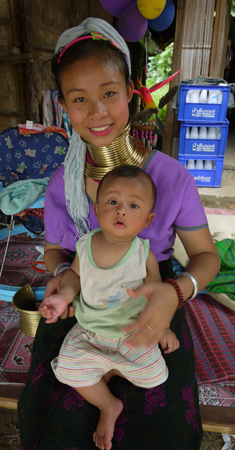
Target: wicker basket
[24, 301]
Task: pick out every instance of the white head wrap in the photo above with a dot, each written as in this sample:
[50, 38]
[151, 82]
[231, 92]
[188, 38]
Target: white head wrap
[75, 194]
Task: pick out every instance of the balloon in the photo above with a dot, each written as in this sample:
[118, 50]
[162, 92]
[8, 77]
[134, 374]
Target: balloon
[151, 8]
[115, 7]
[132, 25]
[165, 19]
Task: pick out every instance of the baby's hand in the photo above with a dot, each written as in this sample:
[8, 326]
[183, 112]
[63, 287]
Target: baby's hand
[52, 307]
[169, 342]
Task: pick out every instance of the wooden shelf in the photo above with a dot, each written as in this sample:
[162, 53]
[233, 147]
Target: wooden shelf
[138, 126]
[9, 396]
[216, 419]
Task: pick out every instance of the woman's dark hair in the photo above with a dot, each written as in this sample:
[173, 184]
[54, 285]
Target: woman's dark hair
[85, 49]
[131, 172]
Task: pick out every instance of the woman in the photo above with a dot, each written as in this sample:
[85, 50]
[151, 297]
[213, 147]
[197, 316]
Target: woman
[92, 70]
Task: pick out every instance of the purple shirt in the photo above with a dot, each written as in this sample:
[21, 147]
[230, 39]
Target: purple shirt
[178, 206]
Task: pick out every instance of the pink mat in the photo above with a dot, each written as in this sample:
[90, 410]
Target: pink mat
[15, 347]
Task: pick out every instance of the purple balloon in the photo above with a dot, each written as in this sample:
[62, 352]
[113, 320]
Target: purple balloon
[165, 19]
[132, 26]
[115, 7]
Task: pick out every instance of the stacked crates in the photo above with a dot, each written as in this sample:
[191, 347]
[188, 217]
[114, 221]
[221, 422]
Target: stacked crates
[203, 131]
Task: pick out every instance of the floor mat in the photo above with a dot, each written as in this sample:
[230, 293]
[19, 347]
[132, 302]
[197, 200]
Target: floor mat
[217, 394]
[213, 330]
[15, 347]
[21, 254]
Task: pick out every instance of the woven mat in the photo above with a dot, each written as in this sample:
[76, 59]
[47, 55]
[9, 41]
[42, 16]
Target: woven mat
[15, 347]
[21, 254]
[213, 329]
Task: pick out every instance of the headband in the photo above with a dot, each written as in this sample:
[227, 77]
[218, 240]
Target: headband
[96, 29]
[96, 37]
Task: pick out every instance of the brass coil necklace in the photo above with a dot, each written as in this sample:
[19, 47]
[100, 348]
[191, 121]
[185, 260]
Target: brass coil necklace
[123, 150]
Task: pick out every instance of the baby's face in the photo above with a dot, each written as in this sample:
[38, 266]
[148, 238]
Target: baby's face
[124, 208]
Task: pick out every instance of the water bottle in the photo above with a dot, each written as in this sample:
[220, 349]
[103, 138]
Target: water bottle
[202, 133]
[188, 96]
[220, 97]
[211, 133]
[194, 97]
[203, 96]
[218, 132]
[194, 133]
[199, 164]
[190, 164]
[188, 133]
[213, 165]
[208, 165]
[213, 96]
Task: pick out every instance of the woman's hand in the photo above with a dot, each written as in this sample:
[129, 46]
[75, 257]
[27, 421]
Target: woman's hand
[52, 288]
[151, 324]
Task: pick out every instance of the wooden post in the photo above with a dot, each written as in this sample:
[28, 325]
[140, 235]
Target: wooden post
[220, 37]
[31, 82]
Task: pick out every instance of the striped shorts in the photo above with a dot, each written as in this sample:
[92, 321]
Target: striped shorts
[86, 357]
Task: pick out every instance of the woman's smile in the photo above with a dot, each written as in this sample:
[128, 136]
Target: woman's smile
[101, 131]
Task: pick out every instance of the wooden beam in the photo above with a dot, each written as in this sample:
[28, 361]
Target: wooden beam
[220, 37]
[5, 21]
[20, 58]
[218, 419]
[11, 113]
[9, 396]
[31, 82]
[226, 33]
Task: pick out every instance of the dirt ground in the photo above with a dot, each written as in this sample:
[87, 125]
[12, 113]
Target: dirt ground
[9, 431]
[219, 204]
[9, 434]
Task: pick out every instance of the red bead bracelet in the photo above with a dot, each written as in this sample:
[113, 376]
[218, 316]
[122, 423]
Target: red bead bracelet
[178, 290]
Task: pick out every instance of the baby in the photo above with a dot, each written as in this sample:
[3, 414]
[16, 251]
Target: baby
[110, 261]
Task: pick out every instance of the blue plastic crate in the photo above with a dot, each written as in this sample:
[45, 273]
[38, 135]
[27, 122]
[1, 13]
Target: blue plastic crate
[210, 147]
[208, 112]
[204, 177]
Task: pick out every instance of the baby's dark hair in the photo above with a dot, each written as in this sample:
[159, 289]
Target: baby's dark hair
[100, 49]
[131, 172]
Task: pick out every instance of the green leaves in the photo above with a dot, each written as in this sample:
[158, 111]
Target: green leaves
[159, 68]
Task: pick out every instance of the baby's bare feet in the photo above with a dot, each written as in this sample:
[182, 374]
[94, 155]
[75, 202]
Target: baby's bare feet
[103, 435]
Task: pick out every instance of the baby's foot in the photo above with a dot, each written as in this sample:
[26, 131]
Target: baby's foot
[102, 437]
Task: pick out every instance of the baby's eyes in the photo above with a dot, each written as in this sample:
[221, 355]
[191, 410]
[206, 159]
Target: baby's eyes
[112, 202]
[134, 206]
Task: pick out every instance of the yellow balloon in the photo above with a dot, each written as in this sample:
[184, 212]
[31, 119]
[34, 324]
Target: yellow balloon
[151, 9]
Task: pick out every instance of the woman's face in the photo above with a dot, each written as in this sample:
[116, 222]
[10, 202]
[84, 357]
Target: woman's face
[96, 99]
